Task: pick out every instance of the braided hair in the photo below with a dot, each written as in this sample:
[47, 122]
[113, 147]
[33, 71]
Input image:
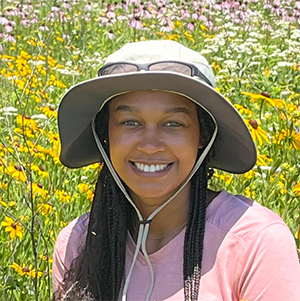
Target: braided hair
[97, 273]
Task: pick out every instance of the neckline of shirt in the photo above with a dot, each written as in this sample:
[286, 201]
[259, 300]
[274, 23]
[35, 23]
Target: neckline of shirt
[172, 244]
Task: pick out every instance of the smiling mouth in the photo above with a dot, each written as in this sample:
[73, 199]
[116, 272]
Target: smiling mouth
[150, 167]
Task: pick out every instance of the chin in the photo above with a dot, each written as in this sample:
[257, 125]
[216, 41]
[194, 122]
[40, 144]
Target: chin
[153, 194]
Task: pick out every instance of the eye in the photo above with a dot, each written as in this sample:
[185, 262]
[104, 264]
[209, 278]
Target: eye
[173, 124]
[131, 123]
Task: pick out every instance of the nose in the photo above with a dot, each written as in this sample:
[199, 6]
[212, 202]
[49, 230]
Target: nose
[151, 142]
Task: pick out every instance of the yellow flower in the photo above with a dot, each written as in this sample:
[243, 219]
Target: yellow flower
[83, 187]
[41, 44]
[90, 195]
[250, 174]
[25, 55]
[2, 203]
[3, 185]
[203, 27]
[250, 193]
[292, 137]
[12, 227]
[55, 82]
[49, 112]
[225, 177]
[178, 23]
[278, 103]
[62, 224]
[46, 209]
[41, 69]
[54, 138]
[43, 94]
[63, 196]
[12, 204]
[23, 67]
[27, 132]
[257, 132]
[46, 258]
[16, 172]
[26, 121]
[263, 160]
[38, 152]
[243, 110]
[59, 39]
[267, 72]
[37, 189]
[26, 270]
[51, 61]
[296, 189]
[41, 171]
[216, 67]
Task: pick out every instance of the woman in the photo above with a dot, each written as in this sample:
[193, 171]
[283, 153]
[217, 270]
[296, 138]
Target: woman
[155, 232]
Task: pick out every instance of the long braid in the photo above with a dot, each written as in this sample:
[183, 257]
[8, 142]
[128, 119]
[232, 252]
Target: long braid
[99, 269]
[194, 237]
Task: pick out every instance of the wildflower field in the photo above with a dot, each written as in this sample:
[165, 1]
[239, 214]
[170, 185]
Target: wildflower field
[48, 46]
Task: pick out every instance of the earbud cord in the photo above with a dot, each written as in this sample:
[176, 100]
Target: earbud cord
[144, 225]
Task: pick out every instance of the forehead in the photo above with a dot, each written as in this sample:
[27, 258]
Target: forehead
[148, 100]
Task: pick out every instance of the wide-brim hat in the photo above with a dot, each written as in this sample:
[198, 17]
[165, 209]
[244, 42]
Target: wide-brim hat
[235, 151]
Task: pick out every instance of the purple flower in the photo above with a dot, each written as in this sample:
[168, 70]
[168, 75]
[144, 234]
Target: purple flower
[55, 9]
[11, 38]
[8, 27]
[136, 23]
[25, 22]
[195, 16]
[66, 5]
[145, 14]
[43, 27]
[128, 2]
[110, 14]
[167, 25]
[184, 14]
[111, 35]
[3, 20]
[276, 2]
[88, 7]
[191, 26]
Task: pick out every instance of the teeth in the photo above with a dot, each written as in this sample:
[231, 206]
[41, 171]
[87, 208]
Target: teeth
[150, 168]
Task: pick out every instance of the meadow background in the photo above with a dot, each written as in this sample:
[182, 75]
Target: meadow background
[48, 46]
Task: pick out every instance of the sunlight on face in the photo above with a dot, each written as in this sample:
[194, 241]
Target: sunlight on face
[154, 139]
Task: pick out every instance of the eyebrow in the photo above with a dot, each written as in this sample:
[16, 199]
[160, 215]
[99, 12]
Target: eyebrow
[126, 109]
[167, 111]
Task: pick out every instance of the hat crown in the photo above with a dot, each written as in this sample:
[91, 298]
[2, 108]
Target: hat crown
[161, 50]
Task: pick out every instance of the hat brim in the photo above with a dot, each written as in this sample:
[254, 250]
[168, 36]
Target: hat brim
[235, 151]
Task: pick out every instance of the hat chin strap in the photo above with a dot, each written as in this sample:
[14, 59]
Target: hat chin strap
[145, 224]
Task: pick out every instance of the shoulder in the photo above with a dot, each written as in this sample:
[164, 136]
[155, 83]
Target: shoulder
[242, 218]
[71, 239]
[68, 246]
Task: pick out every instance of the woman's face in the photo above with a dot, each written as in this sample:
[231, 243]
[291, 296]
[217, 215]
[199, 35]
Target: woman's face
[154, 138]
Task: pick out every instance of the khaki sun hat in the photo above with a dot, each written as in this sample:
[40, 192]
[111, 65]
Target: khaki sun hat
[152, 65]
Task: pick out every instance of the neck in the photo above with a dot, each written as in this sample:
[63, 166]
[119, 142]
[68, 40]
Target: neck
[172, 215]
[168, 222]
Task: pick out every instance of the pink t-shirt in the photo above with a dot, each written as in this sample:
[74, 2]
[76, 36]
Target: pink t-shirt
[249, 254]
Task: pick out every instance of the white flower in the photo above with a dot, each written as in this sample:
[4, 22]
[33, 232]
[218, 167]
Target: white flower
[6, 110]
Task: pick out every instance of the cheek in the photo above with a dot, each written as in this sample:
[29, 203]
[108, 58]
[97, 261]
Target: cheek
[119, 146]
